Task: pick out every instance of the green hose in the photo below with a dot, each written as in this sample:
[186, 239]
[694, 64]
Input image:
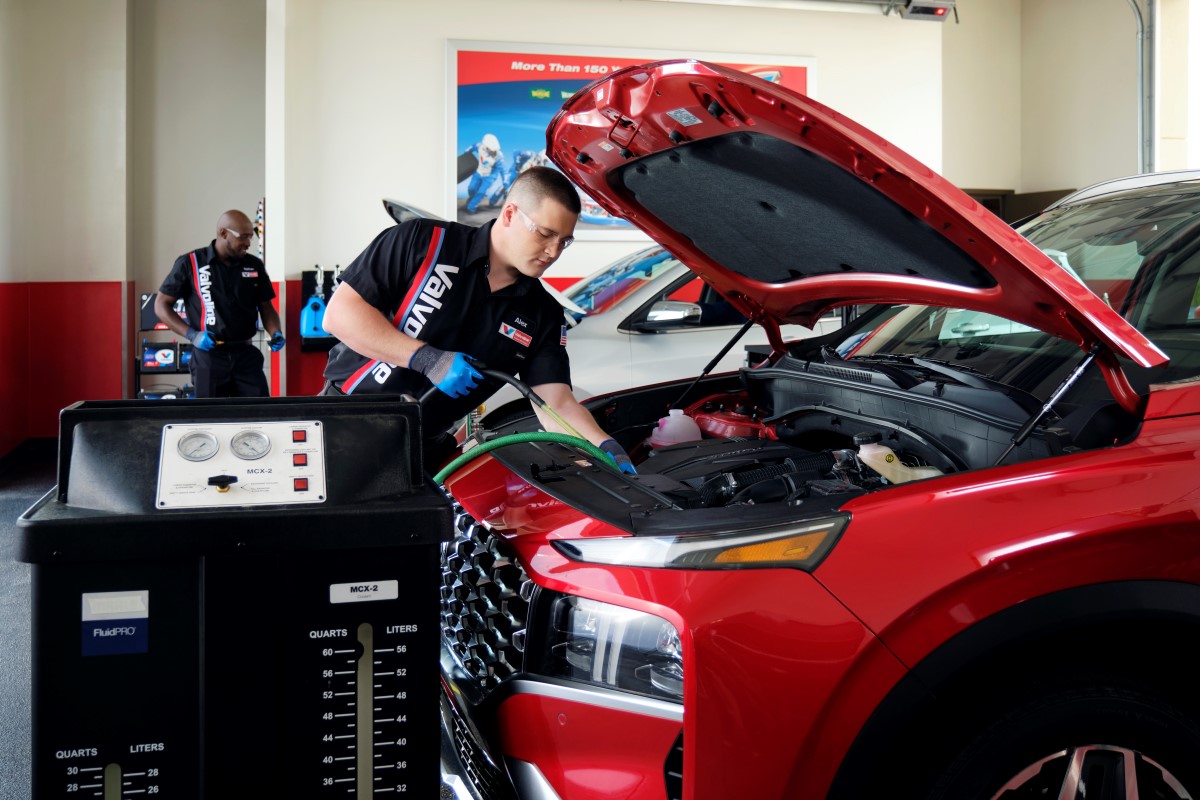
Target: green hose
[596, 453]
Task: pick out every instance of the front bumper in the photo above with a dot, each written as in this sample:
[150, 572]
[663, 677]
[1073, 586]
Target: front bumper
[456, 780]
[467, 769]
[467, 773]
[590, 743]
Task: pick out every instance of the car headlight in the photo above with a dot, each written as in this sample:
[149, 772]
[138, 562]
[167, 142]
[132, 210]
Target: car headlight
[802, 545]
[614, 647]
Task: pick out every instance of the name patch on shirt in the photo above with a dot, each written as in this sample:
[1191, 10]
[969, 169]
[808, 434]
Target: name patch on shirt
[520, 337]
[250, 273]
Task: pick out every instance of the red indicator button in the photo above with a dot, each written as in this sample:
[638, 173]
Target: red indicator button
[299, 459]
[300, 484]
[299, 436]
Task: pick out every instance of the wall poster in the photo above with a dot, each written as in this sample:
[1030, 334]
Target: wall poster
[503, 96]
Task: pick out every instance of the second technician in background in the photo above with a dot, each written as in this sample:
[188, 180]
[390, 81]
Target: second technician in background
[427, 298]
[225, 290]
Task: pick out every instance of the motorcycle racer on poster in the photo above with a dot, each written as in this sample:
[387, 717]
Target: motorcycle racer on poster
[489, 172]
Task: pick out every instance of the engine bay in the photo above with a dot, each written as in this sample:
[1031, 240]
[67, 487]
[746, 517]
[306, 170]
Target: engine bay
[785, 438]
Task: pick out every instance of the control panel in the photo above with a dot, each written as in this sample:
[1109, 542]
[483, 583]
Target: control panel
[227, 464]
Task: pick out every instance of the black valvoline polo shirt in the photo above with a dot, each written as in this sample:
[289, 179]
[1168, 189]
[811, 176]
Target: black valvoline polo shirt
[430, 279]
[221, 298]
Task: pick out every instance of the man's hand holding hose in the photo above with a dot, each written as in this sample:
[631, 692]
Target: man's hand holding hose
[449, 371]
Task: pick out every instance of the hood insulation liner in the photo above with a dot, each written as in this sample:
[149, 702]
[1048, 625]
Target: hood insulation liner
[786, 214]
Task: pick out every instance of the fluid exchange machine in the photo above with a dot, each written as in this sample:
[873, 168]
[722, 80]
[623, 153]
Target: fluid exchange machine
[237, 600]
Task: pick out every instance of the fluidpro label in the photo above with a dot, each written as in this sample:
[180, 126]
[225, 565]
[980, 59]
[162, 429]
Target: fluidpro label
[115, 623]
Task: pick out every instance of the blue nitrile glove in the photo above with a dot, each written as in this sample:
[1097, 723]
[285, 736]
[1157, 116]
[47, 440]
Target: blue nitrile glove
[277, 342]
[201, 340]
[449, 371]
[618, 455]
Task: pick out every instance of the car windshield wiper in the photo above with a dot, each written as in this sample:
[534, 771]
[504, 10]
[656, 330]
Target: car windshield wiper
[960, 373]
[968, 376]
[901, 378]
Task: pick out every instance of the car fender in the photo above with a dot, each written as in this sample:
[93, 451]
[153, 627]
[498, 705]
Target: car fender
[1035, 625]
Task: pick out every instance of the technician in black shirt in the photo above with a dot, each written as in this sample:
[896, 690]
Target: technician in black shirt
[426, 298]
[224, 290]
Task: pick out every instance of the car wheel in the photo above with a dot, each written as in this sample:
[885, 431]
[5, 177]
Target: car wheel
[1105, 742]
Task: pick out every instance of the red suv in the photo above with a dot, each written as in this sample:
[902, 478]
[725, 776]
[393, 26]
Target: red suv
[948, 551]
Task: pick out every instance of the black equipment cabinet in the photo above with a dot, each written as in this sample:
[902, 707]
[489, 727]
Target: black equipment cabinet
[237, 600]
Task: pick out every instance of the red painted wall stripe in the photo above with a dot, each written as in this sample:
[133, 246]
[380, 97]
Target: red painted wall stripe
[14, 365]
[305, 369]
[76, 348]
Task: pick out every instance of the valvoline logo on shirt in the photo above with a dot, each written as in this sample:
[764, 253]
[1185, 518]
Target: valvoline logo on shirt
[520, 337]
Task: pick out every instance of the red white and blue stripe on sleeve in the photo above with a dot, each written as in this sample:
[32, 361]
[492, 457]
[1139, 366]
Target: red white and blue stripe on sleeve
[410, 299]
[201, 323]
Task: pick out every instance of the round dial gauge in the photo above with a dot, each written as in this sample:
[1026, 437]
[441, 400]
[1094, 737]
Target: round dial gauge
[250, 444]
[197, 446]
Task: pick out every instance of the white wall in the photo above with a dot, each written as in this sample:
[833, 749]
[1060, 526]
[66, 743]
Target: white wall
[1036, 95]
[1172, 103]
[366, 91]
[11, 270]
[1079, 93]
[68, 180]
[1192, 145]
[981, 95]
[196, 104]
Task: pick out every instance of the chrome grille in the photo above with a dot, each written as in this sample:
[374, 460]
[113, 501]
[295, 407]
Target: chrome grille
[673, 771]
[489, 782]
[485, 602]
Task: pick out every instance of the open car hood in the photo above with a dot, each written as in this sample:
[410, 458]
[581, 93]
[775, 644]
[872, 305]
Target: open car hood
[788, 208]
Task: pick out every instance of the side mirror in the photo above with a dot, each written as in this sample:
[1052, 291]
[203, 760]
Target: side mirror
[402, 212]
[668, 314]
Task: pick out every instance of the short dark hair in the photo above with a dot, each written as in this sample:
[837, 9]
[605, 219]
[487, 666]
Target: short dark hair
[541, 183]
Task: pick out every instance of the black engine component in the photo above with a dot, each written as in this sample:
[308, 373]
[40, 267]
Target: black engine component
[718, 472]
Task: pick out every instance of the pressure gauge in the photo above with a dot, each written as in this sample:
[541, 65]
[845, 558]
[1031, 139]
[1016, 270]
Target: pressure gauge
[198, 446]
[250, 444]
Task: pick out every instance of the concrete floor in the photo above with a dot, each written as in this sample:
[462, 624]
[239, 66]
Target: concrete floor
[25, 475]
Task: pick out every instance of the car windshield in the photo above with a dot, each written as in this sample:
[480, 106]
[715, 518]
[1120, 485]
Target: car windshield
[1138, 251]
[602, 290]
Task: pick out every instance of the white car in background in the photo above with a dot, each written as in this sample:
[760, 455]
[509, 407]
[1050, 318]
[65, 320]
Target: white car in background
[645, 318]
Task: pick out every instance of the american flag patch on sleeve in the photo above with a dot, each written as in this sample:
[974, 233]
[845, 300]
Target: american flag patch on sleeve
[562, 340]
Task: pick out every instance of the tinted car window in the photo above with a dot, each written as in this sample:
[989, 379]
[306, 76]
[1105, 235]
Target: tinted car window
[1140, 252]
[605, 289]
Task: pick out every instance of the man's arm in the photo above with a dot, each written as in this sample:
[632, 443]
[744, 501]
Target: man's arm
[270, 317]
[560, 398]
[366, 331]
[164, 309]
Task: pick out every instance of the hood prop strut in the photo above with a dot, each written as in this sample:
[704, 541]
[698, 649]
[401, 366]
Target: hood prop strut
[716, 359]
[1026, 429]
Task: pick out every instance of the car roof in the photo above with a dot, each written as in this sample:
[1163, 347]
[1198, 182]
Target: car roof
[1130, 182]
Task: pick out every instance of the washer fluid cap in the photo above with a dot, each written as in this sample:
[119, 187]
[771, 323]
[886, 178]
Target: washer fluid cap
[884, 461]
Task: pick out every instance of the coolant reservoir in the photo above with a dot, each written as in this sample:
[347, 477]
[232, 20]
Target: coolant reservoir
[884, 460]
[674, 428]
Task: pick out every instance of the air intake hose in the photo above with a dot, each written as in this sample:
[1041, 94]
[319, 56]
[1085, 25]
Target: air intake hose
[727, 484]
